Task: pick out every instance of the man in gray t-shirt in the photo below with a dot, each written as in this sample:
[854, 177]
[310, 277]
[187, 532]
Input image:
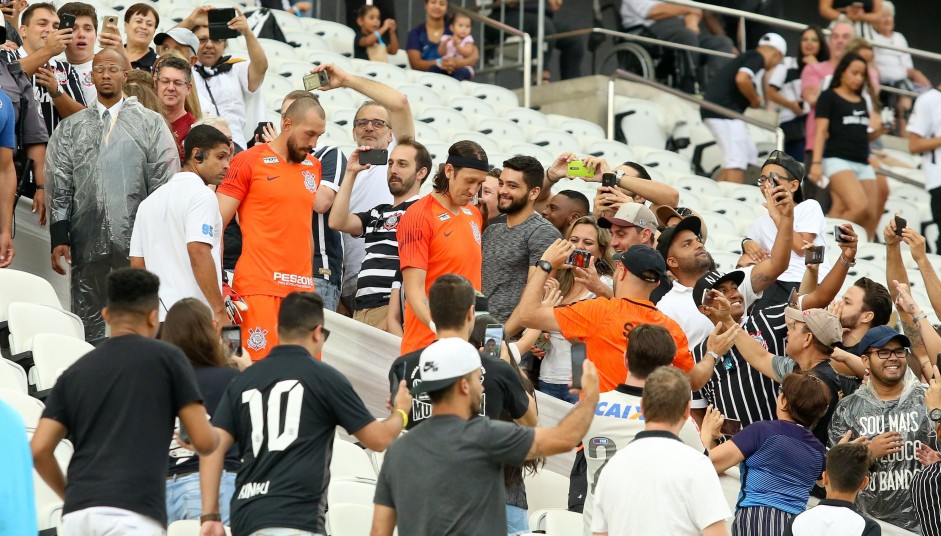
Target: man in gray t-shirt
[446, 476]
[515, 241]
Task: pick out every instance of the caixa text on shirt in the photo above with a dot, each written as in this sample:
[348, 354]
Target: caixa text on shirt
[251, 489]
[293, 279]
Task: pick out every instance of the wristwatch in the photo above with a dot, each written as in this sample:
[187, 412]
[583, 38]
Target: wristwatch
[935, 415]
[544, 265]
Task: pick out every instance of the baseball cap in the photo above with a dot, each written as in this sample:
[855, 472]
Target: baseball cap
[712, 280]
[879, 336]
[689, 223]
[445, 362]
[823, 324]
[794, 168]
[775, 41]
[666, 213]
[631, 215]
[640, 260]
[181, 36]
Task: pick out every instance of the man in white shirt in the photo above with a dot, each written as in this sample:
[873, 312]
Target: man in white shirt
[924, 137]
[80, 51]
[380, 123]
[673, 488]
[178, 230]
[618, 416]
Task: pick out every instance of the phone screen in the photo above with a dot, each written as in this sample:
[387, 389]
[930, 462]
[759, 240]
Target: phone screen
[731, 427]
[232, 337]
[493, 340]
[578, 359]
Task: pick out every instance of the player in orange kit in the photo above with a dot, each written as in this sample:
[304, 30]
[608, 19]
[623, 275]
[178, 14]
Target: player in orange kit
[273, 187]
[440, 234]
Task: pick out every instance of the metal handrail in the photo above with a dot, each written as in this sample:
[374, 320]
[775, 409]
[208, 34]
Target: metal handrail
[640, 39]
[791, 25]
[525, 63]
[712, 107]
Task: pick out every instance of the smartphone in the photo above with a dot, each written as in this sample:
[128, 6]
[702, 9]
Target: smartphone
[577, 169]
[792, 299]
[708, 297]
[609, 179]
[316, 80]
[579, 258]
[814, 255]
[219, 23]
[183, 434]
[376, 157]
[838, 234]
[900, 224]
[232, 337]
[108, 19]
[394, 379]
[578, 359]
[66, 21]
[493, 340]
[730, 427]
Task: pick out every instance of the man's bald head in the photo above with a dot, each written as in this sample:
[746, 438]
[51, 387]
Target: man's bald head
[110, 53]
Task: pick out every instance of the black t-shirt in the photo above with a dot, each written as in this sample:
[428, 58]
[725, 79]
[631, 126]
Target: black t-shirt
[848, 133]
[723, 90]
[825, 372]
[212, 382]
[285, 472]
[119, 403]
[503, 389]
[146, 62]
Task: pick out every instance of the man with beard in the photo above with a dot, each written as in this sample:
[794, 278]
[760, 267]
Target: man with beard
[103, 161]
[409, 166]
[273, 186]
[564, 208]
[514, 243]
[890, 410]
[864, 306]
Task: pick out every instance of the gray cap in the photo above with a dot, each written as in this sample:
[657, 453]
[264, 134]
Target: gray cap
[181, 36]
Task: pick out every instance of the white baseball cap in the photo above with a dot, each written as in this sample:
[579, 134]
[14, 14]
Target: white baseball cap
[445, 362]
[775, 41]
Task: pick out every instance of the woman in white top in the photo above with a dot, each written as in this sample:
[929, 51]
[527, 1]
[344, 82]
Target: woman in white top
[896, 68]
[576, 284]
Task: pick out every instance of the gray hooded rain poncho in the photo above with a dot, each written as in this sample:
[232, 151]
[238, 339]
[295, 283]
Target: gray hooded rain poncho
[94, 187]
[888, 496]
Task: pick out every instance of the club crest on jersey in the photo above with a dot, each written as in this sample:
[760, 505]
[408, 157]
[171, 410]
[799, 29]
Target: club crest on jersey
[270, 160]
[476, 232]
[761, 340]
[307, 163]
[310, 181]
[444, 216]
[256, 338]
[467, 211]
[390, 223]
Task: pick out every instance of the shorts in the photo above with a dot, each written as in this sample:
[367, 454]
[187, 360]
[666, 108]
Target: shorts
[373, 316]
[103, 520]
[732, 137]
[260, 325]
[863, 172]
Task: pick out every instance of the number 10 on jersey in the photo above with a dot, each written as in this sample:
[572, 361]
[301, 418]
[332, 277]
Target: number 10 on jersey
[278, 438]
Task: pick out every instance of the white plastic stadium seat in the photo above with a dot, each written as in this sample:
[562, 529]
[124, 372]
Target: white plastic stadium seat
[746, 193]
[546, 489]
[545, 156]
[17, 286]
[278, 85]
[289, 22]
[400, 59]
[48, 504]
[328, 57]
[499, 129]
[443, 119]
[26, 320]
[306, 41]
[328, 29]
[294, 71]
[425, 132]
[443, 84]
[420, 96]
[335, 98]
[743, 213]
[29, 408]
[472, 105]
[187, 527]
[695, 184]
[666, 161]
[350, 491]
[562, 522]
[13, 377]
[383, 72]
[614, 152]
[554, 141]
[526, 117]
[640, 122]
[349, 519]
[499, 97]
[489, 145]
[52, 354]
[350, 461]
[277, 49]
[580, 128]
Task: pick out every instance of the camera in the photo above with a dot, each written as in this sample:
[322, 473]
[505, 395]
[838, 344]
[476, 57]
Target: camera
[579, 258]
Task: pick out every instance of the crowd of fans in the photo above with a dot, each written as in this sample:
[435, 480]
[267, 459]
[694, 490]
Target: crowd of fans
[177, 222]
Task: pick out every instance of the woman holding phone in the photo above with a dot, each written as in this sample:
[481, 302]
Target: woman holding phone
[861, 13]
[189, 325]
[140, 24]
[780, 460]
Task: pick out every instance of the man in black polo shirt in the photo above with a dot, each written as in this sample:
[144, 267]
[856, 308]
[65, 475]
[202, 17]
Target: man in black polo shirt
[117, 405]
[283, 411]
[452, 302]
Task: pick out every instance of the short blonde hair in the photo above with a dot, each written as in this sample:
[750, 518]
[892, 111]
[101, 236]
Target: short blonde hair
[666, 396]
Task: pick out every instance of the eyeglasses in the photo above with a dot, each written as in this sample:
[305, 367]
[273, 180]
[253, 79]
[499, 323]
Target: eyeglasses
[376, 123]
[175, 83]
[771, 177]
[114, 69]
[886, 353]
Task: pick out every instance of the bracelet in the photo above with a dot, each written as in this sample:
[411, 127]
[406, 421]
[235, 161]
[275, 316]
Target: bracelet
[742, 245]
[548, 178]
[404, 416]
[55, 96]
[847, 263]
[40, 187]
[210, 517]
[919, 317]
[714, 355]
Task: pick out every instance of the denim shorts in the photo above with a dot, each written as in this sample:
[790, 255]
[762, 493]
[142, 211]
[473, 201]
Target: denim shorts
[863, 172]
[184, 499]
[516, 520]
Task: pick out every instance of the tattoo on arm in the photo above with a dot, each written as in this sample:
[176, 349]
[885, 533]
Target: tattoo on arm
[914, 335]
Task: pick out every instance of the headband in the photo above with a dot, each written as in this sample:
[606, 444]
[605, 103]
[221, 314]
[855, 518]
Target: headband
[463, 162]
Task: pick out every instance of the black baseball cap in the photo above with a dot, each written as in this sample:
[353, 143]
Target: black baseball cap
[794, 168]
[689, 223]
[644, 262]
[712, 280]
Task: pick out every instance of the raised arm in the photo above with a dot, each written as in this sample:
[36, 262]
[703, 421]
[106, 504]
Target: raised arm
[827, 290]
[340, 217]
[916, 243]
[780, 204]
[378, 435]
[258, 62]
[657, 193]
[55, 45]
[534, 312]
[755, 354]
[392, 100]
[565, 436]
